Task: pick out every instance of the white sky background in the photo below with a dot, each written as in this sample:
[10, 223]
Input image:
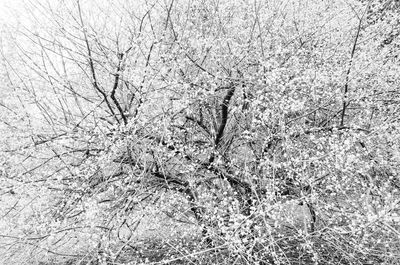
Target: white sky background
[8, 10]
[14, 11]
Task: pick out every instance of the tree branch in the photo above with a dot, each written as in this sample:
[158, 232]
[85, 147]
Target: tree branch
[346, 86]
[116, 81]
[224, 115]
[91, 64]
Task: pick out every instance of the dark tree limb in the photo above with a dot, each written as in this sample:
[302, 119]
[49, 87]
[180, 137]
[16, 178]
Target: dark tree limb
[224, 115]
[116, 81]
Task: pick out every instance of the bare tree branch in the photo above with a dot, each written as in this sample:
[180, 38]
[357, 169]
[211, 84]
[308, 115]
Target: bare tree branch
[91, 64]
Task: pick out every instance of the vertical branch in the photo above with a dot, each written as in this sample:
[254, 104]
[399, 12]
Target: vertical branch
[168, 21]
[91, 64]
[140, 89]
[313, 217]
[116, 81]
[168, 14]
[346, 86]
[224, 120]
[243, 189]
[224, 115]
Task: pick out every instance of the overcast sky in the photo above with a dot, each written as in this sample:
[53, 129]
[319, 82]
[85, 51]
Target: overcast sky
[7, 7]
[8, 3]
